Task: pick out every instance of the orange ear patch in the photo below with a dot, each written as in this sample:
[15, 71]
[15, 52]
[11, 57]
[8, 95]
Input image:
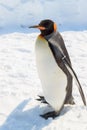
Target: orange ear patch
[55, 27]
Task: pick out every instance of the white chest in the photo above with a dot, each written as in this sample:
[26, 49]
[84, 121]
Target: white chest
[53, 79]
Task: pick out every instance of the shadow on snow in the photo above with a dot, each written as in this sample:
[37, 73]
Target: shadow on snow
[28, 119]
[24, 120]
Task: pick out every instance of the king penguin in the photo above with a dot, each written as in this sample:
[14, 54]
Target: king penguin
[54, 68]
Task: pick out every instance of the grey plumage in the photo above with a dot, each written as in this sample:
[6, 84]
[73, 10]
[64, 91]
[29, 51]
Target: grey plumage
[61, 56]
[55, 42]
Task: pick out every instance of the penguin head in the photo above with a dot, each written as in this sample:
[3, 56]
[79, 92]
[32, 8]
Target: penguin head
[46, 27]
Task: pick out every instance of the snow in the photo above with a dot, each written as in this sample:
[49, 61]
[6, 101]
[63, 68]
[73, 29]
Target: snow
[69, 15]
[20, 85]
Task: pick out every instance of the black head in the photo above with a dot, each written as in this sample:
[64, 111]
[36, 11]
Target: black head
[46, 27]
[49, 27]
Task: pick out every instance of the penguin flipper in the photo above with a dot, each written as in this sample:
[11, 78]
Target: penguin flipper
[70, 69]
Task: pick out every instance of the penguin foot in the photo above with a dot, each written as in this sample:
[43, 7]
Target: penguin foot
[42, 99]
[70, 101]
[52, 114]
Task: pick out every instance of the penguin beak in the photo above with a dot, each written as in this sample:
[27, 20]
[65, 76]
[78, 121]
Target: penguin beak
[38, 27]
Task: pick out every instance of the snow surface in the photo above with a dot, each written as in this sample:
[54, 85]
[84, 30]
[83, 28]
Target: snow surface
[68, 14]
[20, 85]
